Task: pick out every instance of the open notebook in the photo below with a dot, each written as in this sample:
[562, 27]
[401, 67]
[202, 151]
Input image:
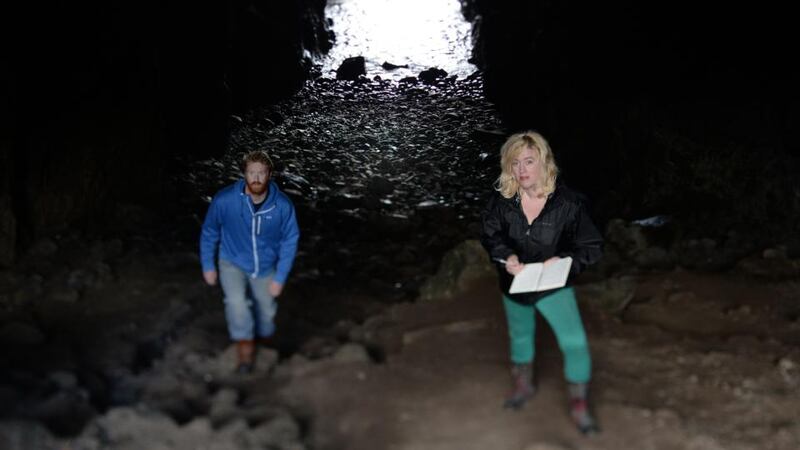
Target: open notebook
[538, 277]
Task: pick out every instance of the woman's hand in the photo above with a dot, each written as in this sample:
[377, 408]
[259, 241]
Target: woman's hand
[550, 260]
[513, 266]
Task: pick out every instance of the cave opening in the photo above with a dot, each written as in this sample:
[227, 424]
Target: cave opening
[410, 36]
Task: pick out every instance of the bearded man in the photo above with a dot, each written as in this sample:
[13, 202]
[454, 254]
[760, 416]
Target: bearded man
[250, 233]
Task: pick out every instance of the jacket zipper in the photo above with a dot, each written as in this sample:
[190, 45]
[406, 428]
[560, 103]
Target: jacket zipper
[255, 228]
[253, 237]
[525, 218]
[522, 212]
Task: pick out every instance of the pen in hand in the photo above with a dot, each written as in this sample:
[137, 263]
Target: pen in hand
[500, 260]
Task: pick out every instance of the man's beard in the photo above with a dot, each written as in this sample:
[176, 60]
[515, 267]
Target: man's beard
[257, 189]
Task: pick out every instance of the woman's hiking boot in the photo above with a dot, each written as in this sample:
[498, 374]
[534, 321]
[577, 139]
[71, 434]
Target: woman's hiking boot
[579, 409]
[522, 386]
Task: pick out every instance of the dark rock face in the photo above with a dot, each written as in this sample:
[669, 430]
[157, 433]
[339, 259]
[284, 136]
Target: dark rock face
[351, 69]
[430, 75]
[100, 97]
[651, 107]
[268, 40]
[8, 232]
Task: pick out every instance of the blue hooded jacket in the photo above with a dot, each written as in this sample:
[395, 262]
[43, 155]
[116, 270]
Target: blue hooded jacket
[257, 242]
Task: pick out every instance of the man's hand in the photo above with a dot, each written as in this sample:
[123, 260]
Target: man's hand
[275, 288]
[513, 266]
[210, 277]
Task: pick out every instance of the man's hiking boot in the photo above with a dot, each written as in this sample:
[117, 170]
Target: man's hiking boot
[245, 351]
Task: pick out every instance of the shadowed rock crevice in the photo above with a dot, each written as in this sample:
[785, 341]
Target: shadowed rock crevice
[100, 99]
[653, 108]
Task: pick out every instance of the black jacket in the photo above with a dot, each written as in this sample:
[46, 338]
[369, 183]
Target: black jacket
[563, 228]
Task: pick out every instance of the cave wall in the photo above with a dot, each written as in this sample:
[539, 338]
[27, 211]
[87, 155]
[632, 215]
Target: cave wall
[98, 96]
[652, 107]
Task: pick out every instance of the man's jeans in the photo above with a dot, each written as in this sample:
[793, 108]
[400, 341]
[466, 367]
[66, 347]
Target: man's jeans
[247, 316]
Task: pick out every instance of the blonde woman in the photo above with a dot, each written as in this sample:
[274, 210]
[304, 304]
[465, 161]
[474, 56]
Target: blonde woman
[534, 218]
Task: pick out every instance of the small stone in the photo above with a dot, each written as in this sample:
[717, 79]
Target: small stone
[351, 352]
[544, 446]
[43, 247]
[64, 379]
[19, 333]
[66, 295]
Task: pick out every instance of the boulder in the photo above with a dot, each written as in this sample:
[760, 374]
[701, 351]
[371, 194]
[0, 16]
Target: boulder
[461, 266]
[351, 69]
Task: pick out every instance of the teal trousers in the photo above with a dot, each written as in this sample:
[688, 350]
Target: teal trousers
[560, 310]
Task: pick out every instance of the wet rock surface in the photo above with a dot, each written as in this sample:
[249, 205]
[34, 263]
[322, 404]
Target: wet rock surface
[386, 177]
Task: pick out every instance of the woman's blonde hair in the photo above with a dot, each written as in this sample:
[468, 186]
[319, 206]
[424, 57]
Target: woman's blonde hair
[511, 149]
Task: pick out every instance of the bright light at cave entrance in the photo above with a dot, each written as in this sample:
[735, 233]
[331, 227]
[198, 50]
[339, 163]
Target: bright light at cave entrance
[417, 33]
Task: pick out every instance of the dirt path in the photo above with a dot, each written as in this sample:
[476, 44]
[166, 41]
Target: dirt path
[682, 360]
[655, 388]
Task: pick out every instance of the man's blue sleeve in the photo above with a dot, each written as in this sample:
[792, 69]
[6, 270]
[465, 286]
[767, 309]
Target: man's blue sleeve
[210, 236]
[290, 234]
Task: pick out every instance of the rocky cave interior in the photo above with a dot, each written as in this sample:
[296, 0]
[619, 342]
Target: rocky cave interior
[119, 120]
